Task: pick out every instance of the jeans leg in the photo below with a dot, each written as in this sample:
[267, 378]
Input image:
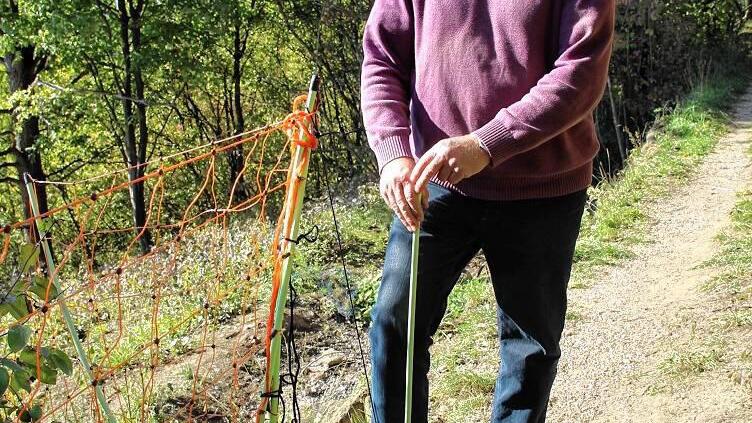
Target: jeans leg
[445, 249]
[530, 257]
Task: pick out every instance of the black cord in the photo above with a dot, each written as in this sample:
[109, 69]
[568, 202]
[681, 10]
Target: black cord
[340, 250]
[293, 359]
[311, 236]
[290, 378]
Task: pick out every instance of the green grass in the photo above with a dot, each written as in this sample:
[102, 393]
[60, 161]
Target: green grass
[460, 359]
[735, 258]
[703, 354]
[615, 220]
[701, 359]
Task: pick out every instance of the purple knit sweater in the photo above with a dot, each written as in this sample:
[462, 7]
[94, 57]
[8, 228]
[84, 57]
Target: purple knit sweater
[523, 75]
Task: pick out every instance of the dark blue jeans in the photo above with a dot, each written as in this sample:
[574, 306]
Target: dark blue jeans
[528, 246]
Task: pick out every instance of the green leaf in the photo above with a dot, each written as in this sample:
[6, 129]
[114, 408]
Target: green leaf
[28, 257]
[31, 414]
[4, 309]
[18, 307]
[18, 337]
[10, 364]
[28, 356]
[36, 412]
[4, 380]
[61, 361]
[20, 380]
[39, 288]
[48, 375]
[20, 287]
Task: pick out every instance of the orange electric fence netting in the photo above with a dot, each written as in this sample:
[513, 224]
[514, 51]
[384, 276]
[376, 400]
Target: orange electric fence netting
[174, 334]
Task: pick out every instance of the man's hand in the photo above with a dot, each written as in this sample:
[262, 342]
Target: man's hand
[451, 160]
[397, 190]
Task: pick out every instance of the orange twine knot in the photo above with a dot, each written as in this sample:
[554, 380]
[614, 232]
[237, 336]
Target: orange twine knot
[298, 124]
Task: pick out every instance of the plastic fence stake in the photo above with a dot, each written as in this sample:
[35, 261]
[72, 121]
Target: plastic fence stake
[411, 324]
[70, 325]
[301, 155]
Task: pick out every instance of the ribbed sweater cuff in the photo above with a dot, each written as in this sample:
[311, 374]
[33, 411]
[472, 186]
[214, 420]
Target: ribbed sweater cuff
[390, 148]
[498, 141]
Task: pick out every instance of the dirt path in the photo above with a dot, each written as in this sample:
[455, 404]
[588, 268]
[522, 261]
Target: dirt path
[639, 311]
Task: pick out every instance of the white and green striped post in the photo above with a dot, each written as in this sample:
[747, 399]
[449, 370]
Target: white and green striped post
[70, 325]
[301, 154]
[412, 302]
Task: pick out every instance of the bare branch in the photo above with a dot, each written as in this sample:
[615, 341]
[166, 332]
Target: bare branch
[78, 77]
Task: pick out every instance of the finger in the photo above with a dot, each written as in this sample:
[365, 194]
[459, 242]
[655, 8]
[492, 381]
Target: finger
[409, 215]
[390, 200]
[384, 197]
[391, 193]
[419, 167]
[424, 199]
[430, 170]
[412, 201]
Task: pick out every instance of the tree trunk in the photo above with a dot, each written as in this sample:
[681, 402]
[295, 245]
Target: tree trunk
[235, 157]
[617, 127]
[134, 150]
[22, 67]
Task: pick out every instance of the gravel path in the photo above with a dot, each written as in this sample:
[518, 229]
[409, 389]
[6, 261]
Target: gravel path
[640, 310]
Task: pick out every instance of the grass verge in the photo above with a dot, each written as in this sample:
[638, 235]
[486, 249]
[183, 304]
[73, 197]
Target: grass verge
[615, 219]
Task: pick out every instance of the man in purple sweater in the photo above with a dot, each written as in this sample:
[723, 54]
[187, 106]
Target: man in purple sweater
[482, 109]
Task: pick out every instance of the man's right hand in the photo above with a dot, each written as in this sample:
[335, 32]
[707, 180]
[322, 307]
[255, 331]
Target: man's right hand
[397, 190]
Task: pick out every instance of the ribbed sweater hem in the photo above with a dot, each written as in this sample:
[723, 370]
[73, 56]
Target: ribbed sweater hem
[507, 188]
[390, 148]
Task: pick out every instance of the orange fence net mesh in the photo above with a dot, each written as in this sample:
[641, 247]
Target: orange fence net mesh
[173, 334]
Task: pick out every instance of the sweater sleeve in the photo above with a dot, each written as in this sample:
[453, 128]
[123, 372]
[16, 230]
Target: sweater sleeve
[388, 63]
[568, 93]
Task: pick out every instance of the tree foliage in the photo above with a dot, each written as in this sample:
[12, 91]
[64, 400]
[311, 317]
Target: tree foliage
[114, 84]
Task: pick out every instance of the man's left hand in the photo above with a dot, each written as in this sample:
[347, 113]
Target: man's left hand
[451, 160]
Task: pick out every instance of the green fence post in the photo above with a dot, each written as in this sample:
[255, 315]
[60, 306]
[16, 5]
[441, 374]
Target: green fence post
[70, 325]
[411, 324]
[300, 153]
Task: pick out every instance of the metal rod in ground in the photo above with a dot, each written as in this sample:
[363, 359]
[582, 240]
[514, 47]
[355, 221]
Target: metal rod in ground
[70, 325]
[411, 324]
[301, 155]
